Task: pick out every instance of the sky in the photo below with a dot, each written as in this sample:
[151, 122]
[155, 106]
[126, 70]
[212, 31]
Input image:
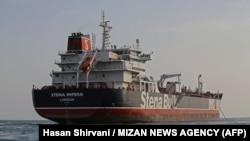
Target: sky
[191, 37]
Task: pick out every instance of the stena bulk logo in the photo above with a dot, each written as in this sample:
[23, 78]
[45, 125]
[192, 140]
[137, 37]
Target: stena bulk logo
[154, 101]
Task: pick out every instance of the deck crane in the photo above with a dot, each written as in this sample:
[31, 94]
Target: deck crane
[166, 76]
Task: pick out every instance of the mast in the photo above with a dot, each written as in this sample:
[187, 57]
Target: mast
[105, 33]
[200, 83]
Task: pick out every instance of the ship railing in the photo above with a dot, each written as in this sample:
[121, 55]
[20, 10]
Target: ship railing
[207, 94]
[65, 62]
[193, 93]
[106, 68]
[62, 71]
[94, 81]
[66, 52]
[95, 85]
[115, 67]
[70, 52]
[54, 87]
[46, 87]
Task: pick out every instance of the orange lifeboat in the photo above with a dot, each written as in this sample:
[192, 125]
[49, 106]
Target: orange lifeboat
[86, 63]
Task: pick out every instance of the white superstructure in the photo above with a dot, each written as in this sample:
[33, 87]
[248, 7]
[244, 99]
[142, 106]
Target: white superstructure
[113, 67]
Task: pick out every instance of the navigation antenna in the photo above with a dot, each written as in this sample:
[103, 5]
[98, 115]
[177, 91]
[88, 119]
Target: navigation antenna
[105, 33]
[200, 84]
[137, 43]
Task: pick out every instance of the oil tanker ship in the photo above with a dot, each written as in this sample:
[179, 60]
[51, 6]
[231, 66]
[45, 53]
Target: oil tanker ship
[110, 85]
